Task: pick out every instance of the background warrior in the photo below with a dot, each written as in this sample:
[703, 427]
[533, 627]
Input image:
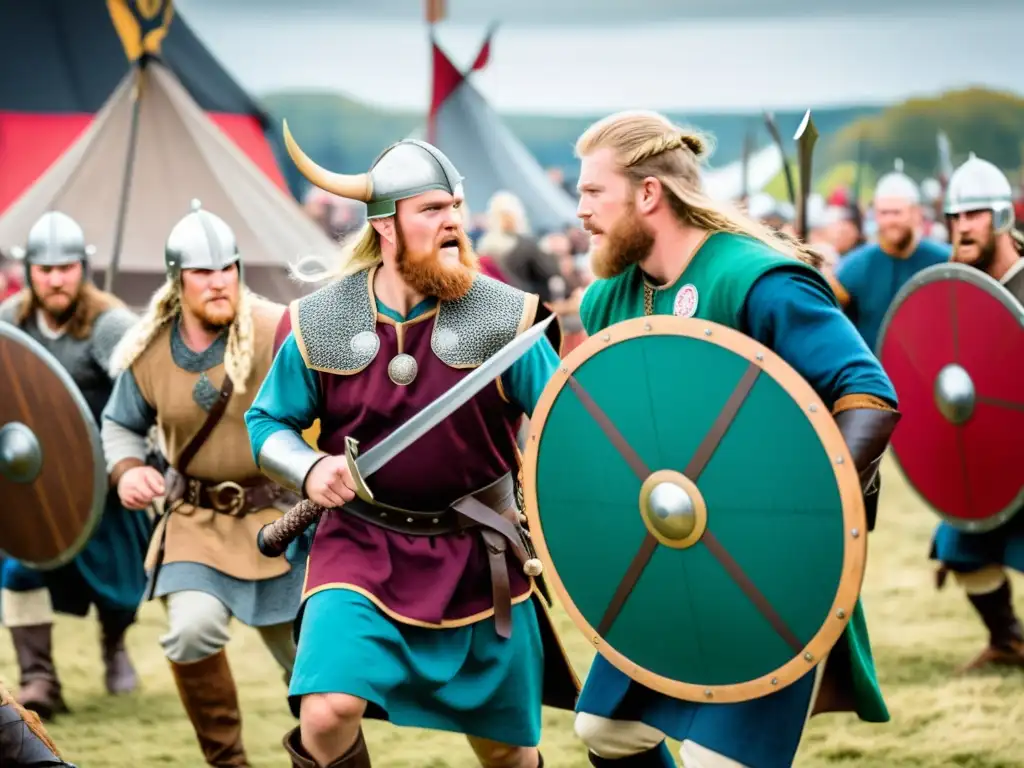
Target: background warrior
[80, 326]
[192, 367]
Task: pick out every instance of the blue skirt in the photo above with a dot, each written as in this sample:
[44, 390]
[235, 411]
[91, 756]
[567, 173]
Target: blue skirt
[464, 679]
[965, 552]
[764, 732]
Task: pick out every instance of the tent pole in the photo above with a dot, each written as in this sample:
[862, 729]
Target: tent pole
[126, 181]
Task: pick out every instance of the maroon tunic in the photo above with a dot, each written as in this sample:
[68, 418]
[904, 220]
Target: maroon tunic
[433, 580]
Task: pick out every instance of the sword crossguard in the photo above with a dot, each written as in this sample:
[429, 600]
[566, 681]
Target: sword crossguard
[351, 452]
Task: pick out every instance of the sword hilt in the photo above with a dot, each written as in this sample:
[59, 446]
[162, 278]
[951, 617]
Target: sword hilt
[274, 538]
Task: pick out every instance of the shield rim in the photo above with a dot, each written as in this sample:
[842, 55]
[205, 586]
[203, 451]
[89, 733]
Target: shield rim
[847, 481]
[99, 494]
[963, 273]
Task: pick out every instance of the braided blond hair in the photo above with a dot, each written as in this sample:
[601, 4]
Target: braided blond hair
[648, 145]
[164, 307]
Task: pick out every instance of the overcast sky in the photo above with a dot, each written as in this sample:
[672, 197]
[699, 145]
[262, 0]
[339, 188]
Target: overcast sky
[772, 54]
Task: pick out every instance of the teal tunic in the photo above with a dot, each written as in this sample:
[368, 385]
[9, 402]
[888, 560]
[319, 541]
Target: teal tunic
[788, 307]
[464, 679]
[872, 278]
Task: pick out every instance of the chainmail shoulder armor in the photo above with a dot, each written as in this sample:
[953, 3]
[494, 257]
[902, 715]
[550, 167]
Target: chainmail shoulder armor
[107, 332]
[335, 327]
[471, 329]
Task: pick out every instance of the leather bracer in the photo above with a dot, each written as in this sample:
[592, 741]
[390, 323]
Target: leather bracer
[867, 425]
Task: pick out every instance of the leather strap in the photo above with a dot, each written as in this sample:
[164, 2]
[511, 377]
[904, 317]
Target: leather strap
[174, 477]
[212, 418]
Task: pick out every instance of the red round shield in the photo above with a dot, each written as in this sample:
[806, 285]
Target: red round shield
[952, 343]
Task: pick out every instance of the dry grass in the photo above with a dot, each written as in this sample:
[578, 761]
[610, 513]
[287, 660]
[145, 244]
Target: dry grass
[919, 636]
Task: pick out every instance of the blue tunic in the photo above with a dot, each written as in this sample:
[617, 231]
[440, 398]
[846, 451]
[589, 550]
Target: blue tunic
[872, 278]
[796, 316]
[464, 679]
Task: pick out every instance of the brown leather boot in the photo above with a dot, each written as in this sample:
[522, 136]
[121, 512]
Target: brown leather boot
[207, 690]
[356, 757]
[1006, 636]
[119, 674]
[40, 687]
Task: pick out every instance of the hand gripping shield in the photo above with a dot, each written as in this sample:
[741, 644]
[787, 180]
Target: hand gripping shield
[952, 343]
[53, 482]
[696, 509]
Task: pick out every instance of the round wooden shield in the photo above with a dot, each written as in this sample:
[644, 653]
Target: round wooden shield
[696, 509]
[952, 343]
[53, 481]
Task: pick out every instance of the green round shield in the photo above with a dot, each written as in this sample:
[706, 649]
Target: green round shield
[696, 509]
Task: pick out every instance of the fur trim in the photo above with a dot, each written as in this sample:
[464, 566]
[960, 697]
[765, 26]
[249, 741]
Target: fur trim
[164, 307]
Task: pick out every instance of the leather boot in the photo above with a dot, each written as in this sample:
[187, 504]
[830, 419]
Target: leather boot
[23, 740]
[119, 674]
[40, 686]
[207, 690]
[1006, 636]
[356, 757]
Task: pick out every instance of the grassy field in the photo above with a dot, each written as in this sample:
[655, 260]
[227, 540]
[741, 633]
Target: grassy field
[920, 636]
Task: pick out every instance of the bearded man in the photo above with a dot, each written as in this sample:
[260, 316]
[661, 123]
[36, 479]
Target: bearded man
[79, 325]
[980, 217]
[663, 246]
[421, 617]
[192, 367]
[869, 277]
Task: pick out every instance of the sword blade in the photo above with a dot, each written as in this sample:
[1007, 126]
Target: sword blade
[449, 402]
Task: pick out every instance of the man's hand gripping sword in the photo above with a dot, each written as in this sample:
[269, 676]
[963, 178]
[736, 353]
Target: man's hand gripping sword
[274, 538]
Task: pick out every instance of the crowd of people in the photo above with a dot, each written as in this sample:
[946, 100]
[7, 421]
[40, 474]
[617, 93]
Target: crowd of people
[421, 603]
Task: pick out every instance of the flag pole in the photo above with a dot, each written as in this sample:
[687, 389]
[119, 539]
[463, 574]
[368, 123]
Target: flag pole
[126, 179]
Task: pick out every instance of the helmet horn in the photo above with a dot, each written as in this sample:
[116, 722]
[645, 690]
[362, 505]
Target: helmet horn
[357, 187]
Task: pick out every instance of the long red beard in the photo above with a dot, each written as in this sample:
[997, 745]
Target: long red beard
[628, 242]
[428, 275]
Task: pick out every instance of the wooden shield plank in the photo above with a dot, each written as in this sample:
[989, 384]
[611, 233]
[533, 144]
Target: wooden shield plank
[52, 477]
[952, 343]
[696, 509]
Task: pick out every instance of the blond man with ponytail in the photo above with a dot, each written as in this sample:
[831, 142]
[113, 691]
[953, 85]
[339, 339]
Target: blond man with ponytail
[192, 367]
[662, 246]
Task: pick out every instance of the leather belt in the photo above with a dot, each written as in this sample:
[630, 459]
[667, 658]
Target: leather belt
[491, 509]
[227, 498]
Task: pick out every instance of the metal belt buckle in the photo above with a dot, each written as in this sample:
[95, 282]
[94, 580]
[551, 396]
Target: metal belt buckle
[237, 499]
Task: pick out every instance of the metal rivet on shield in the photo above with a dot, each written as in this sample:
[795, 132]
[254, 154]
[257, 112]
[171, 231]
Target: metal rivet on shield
[606, 337]
[840, 614]
[812, 408]
[597, 640]
[647, 326]
[775, 681]
[808, 657]
[707, 692]
[839, 459]
[565, 369]
[435, 521]
[855, 532]
[707, 331]
[408, 519]
[759, 357]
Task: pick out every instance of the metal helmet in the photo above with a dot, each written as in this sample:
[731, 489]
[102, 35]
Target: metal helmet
[405, 169]
[201, 240]
[978, 185]
[896, 185]
[53, 241]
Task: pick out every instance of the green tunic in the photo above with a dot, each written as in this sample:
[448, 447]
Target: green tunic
[793, 312]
